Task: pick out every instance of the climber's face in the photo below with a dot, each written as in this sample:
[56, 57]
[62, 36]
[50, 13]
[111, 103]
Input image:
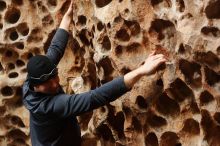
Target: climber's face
[51, 86]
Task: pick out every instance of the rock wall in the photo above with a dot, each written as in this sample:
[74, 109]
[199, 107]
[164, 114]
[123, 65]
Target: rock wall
[179, 105]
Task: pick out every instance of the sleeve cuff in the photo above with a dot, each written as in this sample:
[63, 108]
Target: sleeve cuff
[62, 35]
[123, 86]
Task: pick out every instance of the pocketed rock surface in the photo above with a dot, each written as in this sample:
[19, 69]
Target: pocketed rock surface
[177, 106]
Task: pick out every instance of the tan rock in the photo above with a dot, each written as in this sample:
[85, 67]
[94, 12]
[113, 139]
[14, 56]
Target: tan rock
[179, 105]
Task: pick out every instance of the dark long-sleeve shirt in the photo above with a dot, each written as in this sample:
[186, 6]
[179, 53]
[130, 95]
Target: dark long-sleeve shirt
[53, 117]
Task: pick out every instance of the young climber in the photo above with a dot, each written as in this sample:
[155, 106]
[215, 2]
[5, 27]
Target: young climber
[52, 112]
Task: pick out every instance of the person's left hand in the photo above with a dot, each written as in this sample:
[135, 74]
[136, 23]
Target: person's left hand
[67, 18]
[69, 12]
[151, 63]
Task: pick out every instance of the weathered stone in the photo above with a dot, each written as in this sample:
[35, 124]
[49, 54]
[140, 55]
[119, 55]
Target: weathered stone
[179, 105]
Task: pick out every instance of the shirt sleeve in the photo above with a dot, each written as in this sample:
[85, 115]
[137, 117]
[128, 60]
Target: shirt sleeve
[57, 47]
[67, 105]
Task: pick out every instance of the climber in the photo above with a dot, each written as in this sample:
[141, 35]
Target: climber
[52, 112]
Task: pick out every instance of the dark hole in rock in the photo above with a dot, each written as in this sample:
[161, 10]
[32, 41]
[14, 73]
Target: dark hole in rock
[155, 2]
[137, 125]
[93, 77]
[17, 142]
[217, 117]
[210, 129]
[156, 121]
[134, 27]
[10, 66]
[123, 35]
[208, 58]
[181, 49]
[141, 102]
[194, 108]
[1, 25]
[159, 25]
[104, 132]
[84, 119]
[41, 7]
[13, 75]
[180, 91]
[127, 10]
[118, 50]
[15, 120]
[127, 111]
[118, 19]
[2, 110]
[49, 39]
[169, 139]
[1, 67]
[8, 54]
[211, 31]
[134, 47]
[52, 2]
[151, 139]
[211, 77]
[18, 93]
[192, 72]
[17, 2]
[83, 37]
[102, 3]
[213, 10]
[205, 98]
[107, 65]
[106, 44]
[35, 35]
[213, 138]
[159, 82]
[13, 35]
[7, 91]
[82, 19]
[218, 50]
[100, 26]
[23, 29]
[76, 47]
[191, 127]
[24, 70]
[206, 121]
[16, 134]
[47, 20]
[2, 5]
[29, 55]
[102, 109]
[167, 106]
[109, 25]
[181, 5]
[12, 15]
[20, 46]
[20, 63]
[117, 122]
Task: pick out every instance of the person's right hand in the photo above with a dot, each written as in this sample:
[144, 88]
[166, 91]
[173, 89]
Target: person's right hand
[151, 63]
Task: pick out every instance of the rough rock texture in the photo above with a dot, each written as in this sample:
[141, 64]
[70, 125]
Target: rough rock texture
[179, 105]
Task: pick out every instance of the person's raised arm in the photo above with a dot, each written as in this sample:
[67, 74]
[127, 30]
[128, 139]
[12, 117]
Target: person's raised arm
[149, 67]
[67, 18]
[58, 44]
[79, 103]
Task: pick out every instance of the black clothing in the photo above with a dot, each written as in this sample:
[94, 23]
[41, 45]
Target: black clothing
[53, 117]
